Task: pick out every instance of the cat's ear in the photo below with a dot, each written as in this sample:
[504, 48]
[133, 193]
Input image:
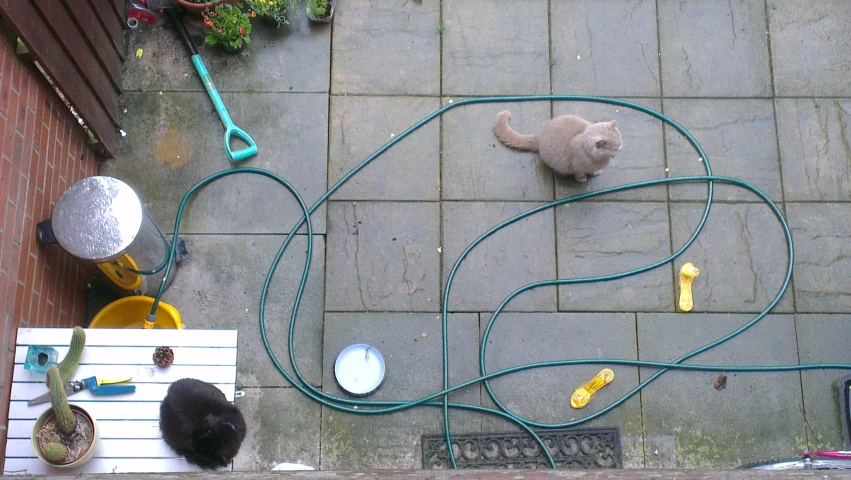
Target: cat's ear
[613, 123]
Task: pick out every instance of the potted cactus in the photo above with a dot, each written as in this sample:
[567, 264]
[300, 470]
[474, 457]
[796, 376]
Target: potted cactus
[65, 436]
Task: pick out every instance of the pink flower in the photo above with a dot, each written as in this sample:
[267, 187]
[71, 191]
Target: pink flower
[241, 31]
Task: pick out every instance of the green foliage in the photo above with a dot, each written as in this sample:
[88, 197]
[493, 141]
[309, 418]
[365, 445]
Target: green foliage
[318, 8]
[75, 352]
[65, 419]
[227, 25]
[274, 9]
[55, 452]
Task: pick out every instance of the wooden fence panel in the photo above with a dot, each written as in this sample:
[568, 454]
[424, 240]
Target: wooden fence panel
[96, 38]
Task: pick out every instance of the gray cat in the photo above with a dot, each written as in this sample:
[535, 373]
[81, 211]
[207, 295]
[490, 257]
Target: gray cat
[569, 145]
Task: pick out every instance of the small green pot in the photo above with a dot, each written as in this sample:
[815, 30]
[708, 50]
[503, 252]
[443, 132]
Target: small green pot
[90, 453]
[326, 18]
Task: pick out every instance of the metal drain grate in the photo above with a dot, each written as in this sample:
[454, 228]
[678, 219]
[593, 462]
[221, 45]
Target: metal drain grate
[587, 448]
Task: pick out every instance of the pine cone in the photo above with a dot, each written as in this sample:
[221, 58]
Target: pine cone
[163, 357]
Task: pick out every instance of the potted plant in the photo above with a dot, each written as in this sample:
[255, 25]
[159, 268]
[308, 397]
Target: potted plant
[198, 6]
[319, 11]
[227, 26]
[270, 10]
[65, 436]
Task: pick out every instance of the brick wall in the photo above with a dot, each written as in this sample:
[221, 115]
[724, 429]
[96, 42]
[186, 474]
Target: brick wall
[43, 152]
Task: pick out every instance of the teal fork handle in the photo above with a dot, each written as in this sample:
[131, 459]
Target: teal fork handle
[231, 130]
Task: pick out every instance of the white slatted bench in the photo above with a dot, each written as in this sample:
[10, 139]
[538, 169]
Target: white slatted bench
[129, 423]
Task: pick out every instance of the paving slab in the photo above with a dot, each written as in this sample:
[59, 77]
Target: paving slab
[809, 47]
[383, 256]
[219, 287]
[476, 166]
[498, 49]
[295, 57]
[642, 157]
[283, 426]
[814, 148]
[740, 253]
[360, 125]
[592, 58]
[601, 238]
[823, 338]
[714, 49]
[739, 138]
[822, 252]
[543, 395]
[519, 254]
[688, 423]
[175, 140]
[407, 35]
[412, 349]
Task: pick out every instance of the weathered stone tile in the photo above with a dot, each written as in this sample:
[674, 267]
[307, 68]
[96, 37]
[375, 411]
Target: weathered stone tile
[822, 255]
[519, 254]
[386, 47]
[690, 424]
[383, 256]
[291, 58]
[739, 138]
[823, 339]
[476, 166]
[713, 49]
[740, 253]
[642, 157]
[814, 148]
[412, 349]
[543, 395]
[591, 57]
[219, 287]
[501, 48]
[407, 171]
[602, 238]
[810, 42]
[175, 140]
[283, 426]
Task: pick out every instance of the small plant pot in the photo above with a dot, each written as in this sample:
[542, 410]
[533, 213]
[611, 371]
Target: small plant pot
[82, 459]
[233, 50]
[198, 8]
[327, 18]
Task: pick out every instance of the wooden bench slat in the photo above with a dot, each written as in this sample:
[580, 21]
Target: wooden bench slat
[95, 355]
[129, 338]
[152, 374]
[33, 466]
[145, 392]
[109, 448]
[108, 428]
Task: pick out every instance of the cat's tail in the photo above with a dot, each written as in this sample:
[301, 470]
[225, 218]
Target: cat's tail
[511, 138]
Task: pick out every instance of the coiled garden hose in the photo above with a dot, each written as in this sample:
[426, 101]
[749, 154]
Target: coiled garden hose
[440, 399]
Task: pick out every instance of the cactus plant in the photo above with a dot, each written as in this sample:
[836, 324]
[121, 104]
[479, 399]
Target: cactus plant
[75, 352]
[65, 419]
[55, 452]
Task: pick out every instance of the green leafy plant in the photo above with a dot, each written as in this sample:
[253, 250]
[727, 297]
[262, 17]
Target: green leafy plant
[274, 9]
[318, 8]
[227, 25]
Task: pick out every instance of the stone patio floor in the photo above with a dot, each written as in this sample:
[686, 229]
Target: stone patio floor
[764, 86]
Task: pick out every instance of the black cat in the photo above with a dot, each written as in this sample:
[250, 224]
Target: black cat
[199, 423]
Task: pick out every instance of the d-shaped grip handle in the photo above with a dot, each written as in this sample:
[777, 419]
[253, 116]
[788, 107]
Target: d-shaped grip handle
[249, 151]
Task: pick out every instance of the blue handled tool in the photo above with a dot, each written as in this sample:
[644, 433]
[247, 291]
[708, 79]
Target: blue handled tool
[98, 386]
[231, 130]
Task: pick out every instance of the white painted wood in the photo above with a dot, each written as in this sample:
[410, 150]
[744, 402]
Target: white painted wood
[129, 423]
[143, 355]
[140, 374]
[145, 392]
[130, 337]
[33, 466]
[108, 428]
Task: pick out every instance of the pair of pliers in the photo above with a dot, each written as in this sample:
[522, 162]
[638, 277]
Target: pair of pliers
[98, 386]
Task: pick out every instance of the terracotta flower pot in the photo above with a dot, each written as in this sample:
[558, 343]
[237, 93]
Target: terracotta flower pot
[198, 8]
[93, 446]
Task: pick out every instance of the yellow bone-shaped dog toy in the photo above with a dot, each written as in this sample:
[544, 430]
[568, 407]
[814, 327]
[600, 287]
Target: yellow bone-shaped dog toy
[583, 394]
[688, 273]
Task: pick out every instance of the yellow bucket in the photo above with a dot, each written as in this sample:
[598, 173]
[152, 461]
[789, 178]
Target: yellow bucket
[130, 312]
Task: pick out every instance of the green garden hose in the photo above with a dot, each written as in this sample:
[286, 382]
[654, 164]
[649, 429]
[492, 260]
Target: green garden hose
[440, 399]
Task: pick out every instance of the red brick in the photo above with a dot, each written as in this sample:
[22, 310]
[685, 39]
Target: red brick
[9, 133]
[5, 80]
[11, 260]
[16, 234]
[17, 75]
[22, 301]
